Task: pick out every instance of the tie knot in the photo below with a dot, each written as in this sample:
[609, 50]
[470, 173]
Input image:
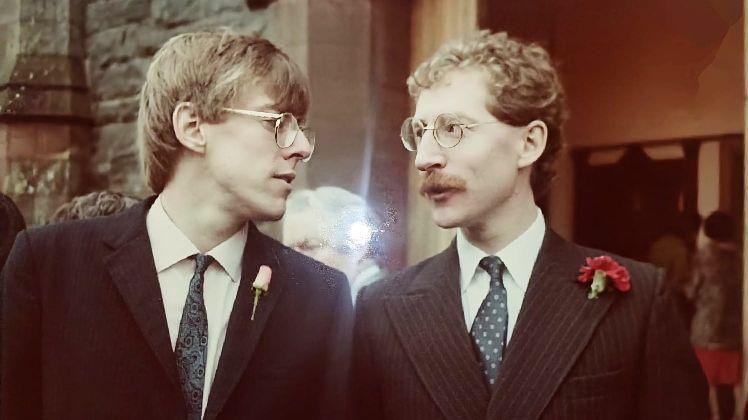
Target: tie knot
[203, 261]
[492, 264]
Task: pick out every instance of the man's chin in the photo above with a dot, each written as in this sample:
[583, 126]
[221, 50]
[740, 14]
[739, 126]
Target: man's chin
[269, 214]
[445, 219]
[274, 217]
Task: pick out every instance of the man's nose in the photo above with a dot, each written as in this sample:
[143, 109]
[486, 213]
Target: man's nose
[301, 148]
[429, 154]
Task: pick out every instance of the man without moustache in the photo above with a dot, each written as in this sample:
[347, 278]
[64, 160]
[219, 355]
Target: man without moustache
[497, 325]
[152, 313]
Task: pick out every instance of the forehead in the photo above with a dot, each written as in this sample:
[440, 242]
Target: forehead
[460, 91]
[256, 98]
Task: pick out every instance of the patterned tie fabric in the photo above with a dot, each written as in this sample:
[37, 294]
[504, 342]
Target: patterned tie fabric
[192, 342]
[490, 325]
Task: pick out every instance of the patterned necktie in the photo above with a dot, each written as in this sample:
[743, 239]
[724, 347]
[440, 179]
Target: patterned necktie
[192, 342]
[490, 325]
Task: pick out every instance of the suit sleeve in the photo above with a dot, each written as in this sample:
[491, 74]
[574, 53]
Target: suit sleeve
[335, 401]
[21, 335]
[366, 393]
[674, 386]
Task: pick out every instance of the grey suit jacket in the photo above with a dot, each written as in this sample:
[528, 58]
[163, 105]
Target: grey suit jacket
[622, 356]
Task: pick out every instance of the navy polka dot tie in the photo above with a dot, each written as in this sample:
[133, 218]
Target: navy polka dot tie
[192, 342]
[490, 325]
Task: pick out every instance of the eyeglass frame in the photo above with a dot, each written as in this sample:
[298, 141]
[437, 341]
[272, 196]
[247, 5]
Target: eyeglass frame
[270, 116]
[433, 128]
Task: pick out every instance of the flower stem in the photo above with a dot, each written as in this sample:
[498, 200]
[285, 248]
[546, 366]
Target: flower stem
[256, 303]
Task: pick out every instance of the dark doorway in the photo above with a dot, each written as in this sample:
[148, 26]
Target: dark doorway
[623, 206]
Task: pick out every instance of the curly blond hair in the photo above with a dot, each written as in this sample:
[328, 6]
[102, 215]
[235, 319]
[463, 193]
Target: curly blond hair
[523, 87]
[211, 70]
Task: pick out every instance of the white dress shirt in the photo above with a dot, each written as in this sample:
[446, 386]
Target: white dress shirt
[519, 258]
[171, 252]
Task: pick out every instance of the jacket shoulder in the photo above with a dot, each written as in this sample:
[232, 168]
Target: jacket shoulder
[75, 230]
[398, 280]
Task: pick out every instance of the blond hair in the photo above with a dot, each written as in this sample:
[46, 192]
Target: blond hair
[211, 70]
[523, 86]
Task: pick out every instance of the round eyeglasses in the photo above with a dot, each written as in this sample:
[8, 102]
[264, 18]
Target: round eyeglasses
[447, 130]
[286, 128]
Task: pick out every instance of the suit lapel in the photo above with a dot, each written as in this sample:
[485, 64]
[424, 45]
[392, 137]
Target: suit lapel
[428, 320]
[134, 274]
[554, 325]
[243, 334]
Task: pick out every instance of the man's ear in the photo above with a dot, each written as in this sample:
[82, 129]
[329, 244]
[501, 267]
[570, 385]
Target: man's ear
[534, 143]
[187, 127]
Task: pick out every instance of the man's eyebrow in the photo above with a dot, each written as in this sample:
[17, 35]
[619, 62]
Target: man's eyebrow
[268, 108]
[464, 117]
[420, 120]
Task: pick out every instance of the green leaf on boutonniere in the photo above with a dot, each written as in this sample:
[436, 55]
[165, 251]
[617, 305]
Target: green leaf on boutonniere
[599, 282]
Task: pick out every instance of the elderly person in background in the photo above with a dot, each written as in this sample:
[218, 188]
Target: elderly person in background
[95, 204]
[335, 227]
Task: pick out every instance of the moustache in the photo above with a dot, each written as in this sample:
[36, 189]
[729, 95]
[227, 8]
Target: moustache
[436, 182]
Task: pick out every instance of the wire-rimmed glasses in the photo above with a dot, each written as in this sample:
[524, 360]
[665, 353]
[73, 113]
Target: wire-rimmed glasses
[447, 130]
[286, 127]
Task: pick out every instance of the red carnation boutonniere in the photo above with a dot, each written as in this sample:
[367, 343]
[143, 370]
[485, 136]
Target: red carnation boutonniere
[603, 272]
[261, 286]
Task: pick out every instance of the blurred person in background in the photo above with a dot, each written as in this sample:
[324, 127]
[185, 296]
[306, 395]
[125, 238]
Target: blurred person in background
[95, 204]
[716, 331]
[336, 227]
[673, 250]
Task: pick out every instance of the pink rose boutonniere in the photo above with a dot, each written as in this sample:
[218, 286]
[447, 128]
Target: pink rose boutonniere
[603, 272]
[261, 285]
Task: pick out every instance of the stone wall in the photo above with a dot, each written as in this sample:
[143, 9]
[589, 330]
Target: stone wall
[44, 108]
[121, 37]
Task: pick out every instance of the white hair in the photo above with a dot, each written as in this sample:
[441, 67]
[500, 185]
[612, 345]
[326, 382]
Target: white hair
[347, 221]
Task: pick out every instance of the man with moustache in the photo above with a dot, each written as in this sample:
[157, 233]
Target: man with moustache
[152, 313]
[499, 325]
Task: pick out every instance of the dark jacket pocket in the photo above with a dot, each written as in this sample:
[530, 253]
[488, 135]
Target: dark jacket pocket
[598, 384]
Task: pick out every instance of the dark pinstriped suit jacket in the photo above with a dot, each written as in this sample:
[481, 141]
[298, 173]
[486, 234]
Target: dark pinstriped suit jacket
[622, 356]
[85, 334]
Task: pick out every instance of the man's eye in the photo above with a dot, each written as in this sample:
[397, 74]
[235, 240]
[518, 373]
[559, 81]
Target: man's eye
[452, 128]
[418, 132]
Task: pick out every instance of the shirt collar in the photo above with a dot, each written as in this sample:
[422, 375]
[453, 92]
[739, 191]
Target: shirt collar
[519, 255]
[170, 246]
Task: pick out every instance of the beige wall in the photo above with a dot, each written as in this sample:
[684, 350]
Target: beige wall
[631, 76]
[673, 72]
[709, 170]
